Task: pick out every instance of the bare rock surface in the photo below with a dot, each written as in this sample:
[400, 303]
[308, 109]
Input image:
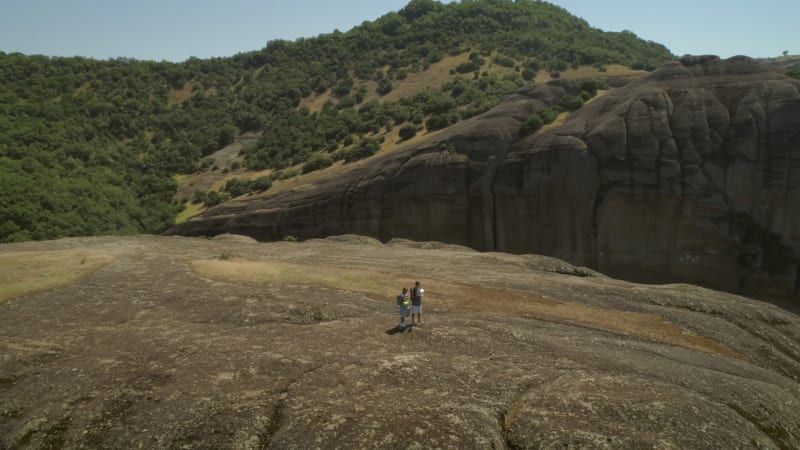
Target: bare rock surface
[197, 343]
[689, 174]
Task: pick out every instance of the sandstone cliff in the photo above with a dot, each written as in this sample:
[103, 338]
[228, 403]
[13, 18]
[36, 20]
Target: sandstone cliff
[691, 173]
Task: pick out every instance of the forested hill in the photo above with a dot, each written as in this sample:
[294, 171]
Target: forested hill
[92, 147]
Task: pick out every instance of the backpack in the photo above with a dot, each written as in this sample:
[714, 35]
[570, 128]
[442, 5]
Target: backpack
[399, 299]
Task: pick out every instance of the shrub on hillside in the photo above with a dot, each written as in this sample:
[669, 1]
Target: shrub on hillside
[570, 102]
[548, 115]
[316, 162]
[213, 198]
[199, 197]
[794, 72]
[504, 61]
[346, 102]
[285, 174]
[591, 86]
[440, 121]
[384, 86]
[364, 149]
[408, 131]
[467, 67]
[206, 163]
[261, 184]
[236, 187]
[528, 74]
[530, 126]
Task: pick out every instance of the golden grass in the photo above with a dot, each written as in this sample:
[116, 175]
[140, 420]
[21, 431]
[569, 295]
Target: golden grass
[176, 96]
[191, 210]
[562, 117]
[461, 296]
[435, 77]
[559, 120]
[239, 174]
[316, 102]
[25, 272]
[438, 74]
[589, 72]
[600, 94]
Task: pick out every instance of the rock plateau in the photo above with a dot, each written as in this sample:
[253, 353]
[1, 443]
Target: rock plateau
[176, 342]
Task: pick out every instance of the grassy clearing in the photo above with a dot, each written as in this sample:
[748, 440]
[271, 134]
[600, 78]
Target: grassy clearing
[455, 295]
[434, 77]
[560, 119]
[589, 72]
[25, 272]
[600, 94]
[176, 96]
[191, 210]
[316, 102]
[391, 144]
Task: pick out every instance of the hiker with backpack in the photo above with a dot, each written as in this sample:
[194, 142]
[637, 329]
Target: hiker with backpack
[416, 303]
[405, 307]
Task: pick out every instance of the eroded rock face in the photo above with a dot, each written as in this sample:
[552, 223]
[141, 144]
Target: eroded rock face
[689, 174]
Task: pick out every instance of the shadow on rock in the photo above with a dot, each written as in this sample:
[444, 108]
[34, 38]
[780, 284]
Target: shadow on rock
[400, 329]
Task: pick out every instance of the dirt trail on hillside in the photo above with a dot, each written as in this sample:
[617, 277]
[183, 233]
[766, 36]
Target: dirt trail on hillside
[196, 343]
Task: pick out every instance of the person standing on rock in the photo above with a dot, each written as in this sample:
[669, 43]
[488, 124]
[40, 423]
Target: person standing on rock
[405, 307]
[416, 302]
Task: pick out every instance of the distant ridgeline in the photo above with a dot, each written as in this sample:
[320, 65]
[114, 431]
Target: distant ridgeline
[92, 147]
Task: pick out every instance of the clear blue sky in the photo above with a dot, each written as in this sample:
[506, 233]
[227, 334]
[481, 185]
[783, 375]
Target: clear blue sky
[174, 30]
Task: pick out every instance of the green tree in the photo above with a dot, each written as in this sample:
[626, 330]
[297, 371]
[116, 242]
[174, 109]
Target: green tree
[316, 162]
[530, 126]
[384, 86]
[408, 131]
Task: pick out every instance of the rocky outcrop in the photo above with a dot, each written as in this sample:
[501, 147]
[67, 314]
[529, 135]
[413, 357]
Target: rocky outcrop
[227, 344]
[691, 173]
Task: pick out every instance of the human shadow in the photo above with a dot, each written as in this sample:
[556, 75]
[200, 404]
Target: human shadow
[400, 329]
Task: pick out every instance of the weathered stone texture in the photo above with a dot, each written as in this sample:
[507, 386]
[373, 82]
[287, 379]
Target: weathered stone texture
[691, 173]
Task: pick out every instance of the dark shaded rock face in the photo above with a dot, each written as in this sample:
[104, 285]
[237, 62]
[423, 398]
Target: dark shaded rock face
[689, 174]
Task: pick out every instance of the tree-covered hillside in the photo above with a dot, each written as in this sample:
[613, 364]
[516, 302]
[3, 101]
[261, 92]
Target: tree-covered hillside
[92, 147]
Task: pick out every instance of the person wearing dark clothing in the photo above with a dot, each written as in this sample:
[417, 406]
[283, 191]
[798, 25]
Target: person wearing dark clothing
[416, 302]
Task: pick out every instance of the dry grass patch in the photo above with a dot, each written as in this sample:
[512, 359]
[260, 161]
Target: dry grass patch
[434, 76]
[392, 143]
[191, 210]
[176, 96]
[315, 102]
[461, 296]
[25, 272]
[560, 119]
[600, 94]
[181, 179]
[582, 72]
